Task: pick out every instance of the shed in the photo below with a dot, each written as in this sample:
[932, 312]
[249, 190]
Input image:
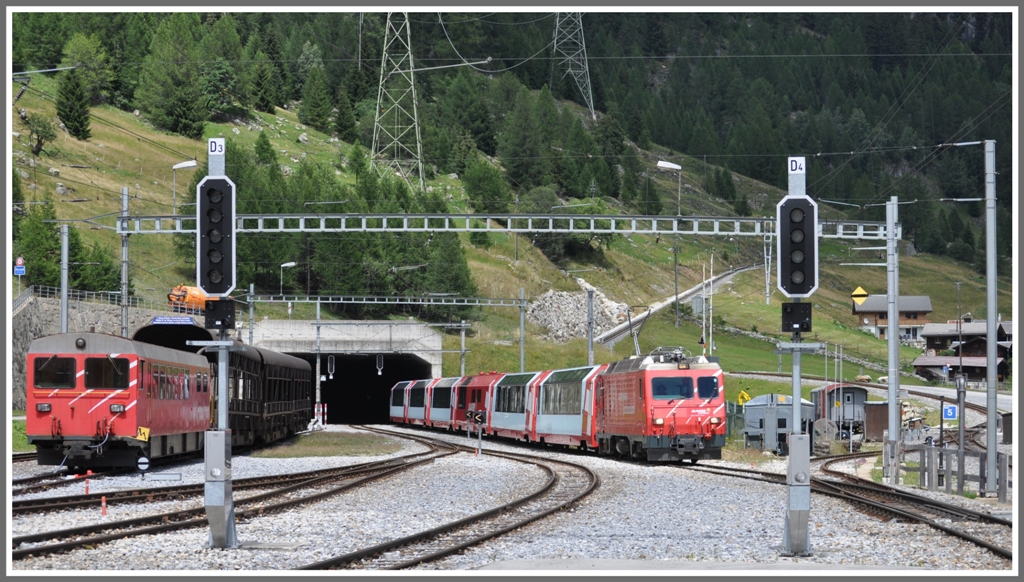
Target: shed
[876, 420]
[827, 401]
[768, 418]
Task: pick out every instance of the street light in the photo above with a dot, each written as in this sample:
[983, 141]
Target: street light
[679, 185]
[283, 265]
[174, 179]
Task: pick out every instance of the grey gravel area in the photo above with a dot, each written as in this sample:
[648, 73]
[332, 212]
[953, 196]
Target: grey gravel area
[662, 516]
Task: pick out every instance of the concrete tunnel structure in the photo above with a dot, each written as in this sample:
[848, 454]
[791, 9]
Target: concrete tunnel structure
[355, 393]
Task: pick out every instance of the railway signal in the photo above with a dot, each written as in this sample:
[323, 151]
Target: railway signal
[215, 235]
[797, 230]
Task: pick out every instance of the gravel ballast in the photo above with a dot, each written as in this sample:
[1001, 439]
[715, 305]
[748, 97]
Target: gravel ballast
[663, 515]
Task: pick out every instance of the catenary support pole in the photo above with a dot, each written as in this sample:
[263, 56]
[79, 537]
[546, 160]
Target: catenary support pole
[124, 264]
[64, 278]
[893, 336]
[522, 329]
[590, 326]
[991, 318]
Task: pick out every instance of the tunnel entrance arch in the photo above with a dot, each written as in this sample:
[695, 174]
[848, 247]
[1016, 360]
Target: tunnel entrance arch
[356, 394]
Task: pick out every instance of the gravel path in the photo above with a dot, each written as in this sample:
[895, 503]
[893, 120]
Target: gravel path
[640, 512]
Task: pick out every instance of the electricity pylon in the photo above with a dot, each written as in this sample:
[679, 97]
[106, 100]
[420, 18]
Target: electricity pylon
[396, 129]
[570, 48]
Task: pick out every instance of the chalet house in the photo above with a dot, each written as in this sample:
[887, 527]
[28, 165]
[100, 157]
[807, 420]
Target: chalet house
[873, 315]
[947, 336]
[968, 341]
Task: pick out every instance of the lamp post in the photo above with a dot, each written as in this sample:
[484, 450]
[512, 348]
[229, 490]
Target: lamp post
[174, 179]
[679, 184]
[283, 265]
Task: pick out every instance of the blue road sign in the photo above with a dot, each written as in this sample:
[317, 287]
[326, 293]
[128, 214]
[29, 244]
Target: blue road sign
[172, 320]
[949, 412]
[19, 270]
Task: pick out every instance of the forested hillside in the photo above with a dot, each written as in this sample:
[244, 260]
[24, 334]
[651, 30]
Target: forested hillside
[868, 98]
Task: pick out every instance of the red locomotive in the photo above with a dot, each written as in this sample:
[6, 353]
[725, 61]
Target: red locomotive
[100, 401]
[665, 406]
[662, 407]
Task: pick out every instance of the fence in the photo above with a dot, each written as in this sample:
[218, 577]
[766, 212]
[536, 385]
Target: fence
[940, 467]
[107, 297]
[733, 420]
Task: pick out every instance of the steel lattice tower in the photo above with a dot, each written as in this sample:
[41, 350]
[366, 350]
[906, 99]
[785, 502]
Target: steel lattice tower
[572, 52]
[396, 130]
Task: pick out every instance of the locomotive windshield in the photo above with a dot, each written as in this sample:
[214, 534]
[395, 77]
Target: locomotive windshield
[707, 387]
[54, 372]
[671, 388]
[106, 372]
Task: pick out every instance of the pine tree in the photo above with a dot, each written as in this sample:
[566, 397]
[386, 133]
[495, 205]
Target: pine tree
[345, 122]
[520, 145]
[316, 101]
[73, 105]
[264, 88]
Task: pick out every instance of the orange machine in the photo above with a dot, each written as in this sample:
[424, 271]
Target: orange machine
[187, 299]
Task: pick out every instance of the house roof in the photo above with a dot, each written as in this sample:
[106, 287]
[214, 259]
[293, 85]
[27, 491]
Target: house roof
[952, 361]
[974, 328]
[880, 303]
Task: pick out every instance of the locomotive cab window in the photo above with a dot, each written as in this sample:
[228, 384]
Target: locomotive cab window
[106, 373]
[671, 388]
[707, 387]
[54, 372]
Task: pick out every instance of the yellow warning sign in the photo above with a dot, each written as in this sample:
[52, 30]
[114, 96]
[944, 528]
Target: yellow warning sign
[859, 295]
[143, 434]
[743, 397]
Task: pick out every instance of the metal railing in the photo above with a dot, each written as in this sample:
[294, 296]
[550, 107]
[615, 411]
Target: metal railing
[104, 297]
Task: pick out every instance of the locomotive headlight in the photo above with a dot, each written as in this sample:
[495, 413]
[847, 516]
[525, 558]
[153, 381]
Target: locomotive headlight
[715, 420]
[43, 407]
[659, 421]
[117, 408]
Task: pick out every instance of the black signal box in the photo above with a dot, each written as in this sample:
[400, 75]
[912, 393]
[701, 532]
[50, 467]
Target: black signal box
[220, 314]
[796, 317]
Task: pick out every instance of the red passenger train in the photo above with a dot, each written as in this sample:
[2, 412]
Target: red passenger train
[665, 406]
[101, 401]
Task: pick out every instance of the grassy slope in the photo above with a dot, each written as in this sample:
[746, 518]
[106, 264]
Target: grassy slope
[637, 271]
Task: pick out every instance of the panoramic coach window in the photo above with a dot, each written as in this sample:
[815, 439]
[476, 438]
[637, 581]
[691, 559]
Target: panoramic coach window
[397, 396]
[671, 388]
[107, 372]
[707, 387]
[442, 398]
[54, 372]
[417, 396]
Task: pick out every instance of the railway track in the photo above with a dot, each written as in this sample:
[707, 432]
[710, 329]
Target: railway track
[48, 481]
[22, 457]
[285, 492]
[886, 502]
[567, 483]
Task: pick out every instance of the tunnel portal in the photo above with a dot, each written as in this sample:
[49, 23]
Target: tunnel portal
[356, 394]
